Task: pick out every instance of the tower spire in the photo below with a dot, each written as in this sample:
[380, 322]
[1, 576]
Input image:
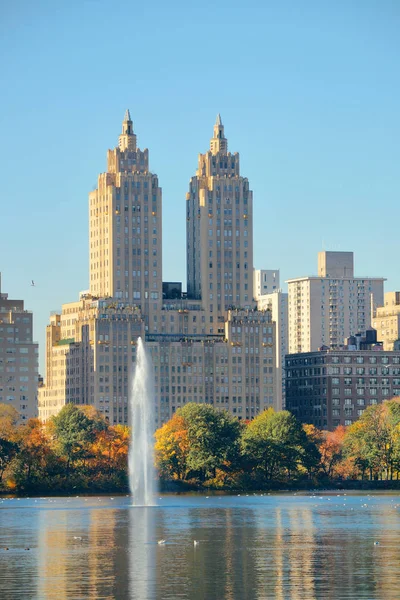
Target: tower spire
[127, 140]
[219, 143]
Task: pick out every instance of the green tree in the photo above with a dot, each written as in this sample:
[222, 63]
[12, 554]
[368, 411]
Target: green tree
[369, 441]
[8, 450]
[310, 454]
[213, 438]
[73, 432]
[274, 444]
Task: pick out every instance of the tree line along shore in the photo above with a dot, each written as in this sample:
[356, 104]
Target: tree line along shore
[200, 447]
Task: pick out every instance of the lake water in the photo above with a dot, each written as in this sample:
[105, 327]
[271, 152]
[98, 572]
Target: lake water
[250, 547]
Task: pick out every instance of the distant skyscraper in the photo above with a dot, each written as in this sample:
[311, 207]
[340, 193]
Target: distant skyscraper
[125, 229]
[326, 309]
[18, 358]
[219, 231]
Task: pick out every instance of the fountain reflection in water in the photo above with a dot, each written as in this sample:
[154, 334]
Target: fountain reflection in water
[141, 451]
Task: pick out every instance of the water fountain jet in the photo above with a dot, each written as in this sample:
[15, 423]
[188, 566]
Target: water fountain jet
[141, 449]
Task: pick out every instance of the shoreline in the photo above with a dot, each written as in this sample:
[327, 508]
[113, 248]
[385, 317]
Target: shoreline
[172, 488]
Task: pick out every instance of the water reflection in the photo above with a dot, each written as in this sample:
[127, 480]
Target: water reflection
[142, 552]
[249, 548]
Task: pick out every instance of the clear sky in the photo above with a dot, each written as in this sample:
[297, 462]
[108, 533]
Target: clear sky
[309, 94]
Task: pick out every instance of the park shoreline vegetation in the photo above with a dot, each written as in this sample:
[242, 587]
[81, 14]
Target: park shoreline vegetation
[200, 448]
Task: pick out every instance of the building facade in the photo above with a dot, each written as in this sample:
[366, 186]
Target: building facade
[219, 213]
[210, 345]
[265, 281]
[90, 351]
[387, 320]
[125, 229]
[333, 387]
[277, 304]
[18, 358]
[324, 310]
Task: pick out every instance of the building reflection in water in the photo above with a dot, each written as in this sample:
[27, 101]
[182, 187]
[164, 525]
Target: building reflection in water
[80, 553]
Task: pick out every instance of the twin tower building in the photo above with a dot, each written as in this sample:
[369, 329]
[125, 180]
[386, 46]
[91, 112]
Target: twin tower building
[208, 345]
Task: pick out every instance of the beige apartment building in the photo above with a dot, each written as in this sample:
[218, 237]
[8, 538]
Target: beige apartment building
[387, 320]
[219, 214]
[277, 303]
[18, 358]
[90, 348]
[325, 309]
[210, 345]
[125, 229]
[235, 371]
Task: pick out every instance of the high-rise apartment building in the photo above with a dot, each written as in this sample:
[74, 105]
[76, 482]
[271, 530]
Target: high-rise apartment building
[265, 281]
[18, 358]
[211, 345]
[387, 320]
[219, 212]
[325, 309]
[125, 225]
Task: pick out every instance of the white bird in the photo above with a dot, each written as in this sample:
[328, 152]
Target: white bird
[196, 542]
[77, 537]
[161, 542]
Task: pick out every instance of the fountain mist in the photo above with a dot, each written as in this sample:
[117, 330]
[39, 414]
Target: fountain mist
[141, 451]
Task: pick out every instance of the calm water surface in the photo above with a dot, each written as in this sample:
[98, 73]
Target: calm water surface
[250, 547]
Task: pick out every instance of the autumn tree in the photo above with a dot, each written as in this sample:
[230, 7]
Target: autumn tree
[8, 419]
[35, 460]
[374, 440]
[172, 448]
[110, 448]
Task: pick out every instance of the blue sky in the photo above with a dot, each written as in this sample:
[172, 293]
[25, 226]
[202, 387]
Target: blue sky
[309, 94]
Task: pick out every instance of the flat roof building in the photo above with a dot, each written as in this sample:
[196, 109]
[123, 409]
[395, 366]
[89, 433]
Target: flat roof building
[18, 358]
[332, 387]
[325, 309]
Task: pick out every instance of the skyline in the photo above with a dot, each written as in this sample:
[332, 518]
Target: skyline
[314, 128]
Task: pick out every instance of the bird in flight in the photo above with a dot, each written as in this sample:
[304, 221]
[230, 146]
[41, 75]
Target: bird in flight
[32, 283]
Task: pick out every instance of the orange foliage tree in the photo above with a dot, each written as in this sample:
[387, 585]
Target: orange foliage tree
[110, 448]
[172, 448]
[331, 450]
